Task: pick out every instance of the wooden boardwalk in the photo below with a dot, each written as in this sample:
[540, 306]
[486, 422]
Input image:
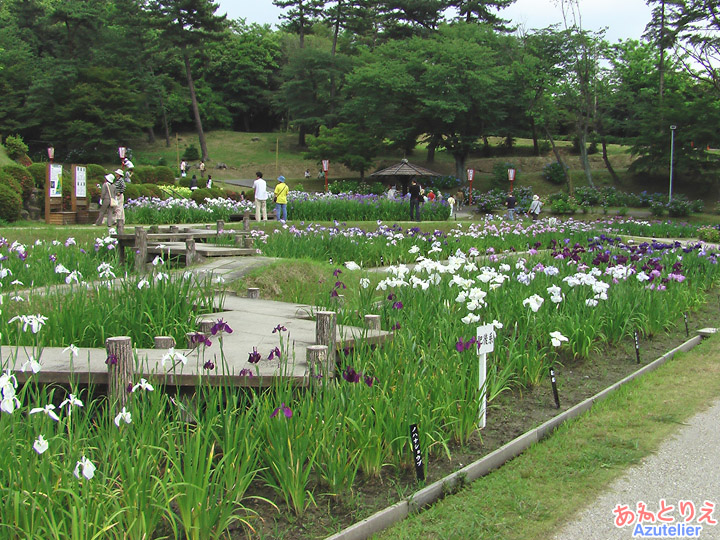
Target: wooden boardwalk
[252, 322]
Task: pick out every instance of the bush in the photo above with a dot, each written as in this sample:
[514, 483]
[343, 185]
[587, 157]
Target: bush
[678, 208]
[444, 183]
[561, 206]
[23, 177]
[162, 162]
[554, 173]
[39, 173]
[500, 175]
[152, 190]
[7, 180]
[657, 208]
[95, 172]
[709, 233]
[344, 186]
[199, 195]
[191, 153]
[15, 147]
[10, 203]
[588, 196]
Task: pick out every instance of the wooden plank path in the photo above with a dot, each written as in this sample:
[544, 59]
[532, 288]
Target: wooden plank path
[252, 321]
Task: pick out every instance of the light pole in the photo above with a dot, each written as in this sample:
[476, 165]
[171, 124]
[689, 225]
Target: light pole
[672, 152]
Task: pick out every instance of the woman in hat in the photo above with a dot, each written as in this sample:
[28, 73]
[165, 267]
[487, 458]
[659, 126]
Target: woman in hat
[535, 207]
[107, 194]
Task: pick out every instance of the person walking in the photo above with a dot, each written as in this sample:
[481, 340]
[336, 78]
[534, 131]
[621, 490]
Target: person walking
[202, 169]
[459, 198]
[107, 197]
[183, 168]
[281, 193]
[209, 182]
[193, 183]
[261, 196]
[535, 207]
[119, 184]
[415, 197]
[510, 202]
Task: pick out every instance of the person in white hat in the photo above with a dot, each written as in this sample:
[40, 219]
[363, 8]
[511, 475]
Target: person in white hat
[120, 195]
[107, 197]
[535, 207]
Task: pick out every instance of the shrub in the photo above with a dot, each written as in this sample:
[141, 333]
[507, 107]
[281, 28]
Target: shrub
[588, 196]
[554, 173]
[23, 177]
[95, 172]
[678, 208]
[299, 187]
[500, 175]
[7, 180]
[162, 162]
[561, 206]
[344, 186]
[147, 174]
[709, 233]
[164, 175]
[444, 183]
[199, 195]
[39, 173]
[191, 153]
[15, 147]
[697, 206]
[657, 208]
[10, 203]
[152, 190]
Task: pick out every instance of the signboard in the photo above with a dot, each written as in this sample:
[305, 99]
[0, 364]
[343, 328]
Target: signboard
[486, 343]
[80, 182]
[417, 452]
[511, 174]
[326, 165]
[55, 180]
[470, 174]
[121, 152]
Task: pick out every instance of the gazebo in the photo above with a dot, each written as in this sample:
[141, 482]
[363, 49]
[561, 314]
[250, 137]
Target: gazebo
[404, 172]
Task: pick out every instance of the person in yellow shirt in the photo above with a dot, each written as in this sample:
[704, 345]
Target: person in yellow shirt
[281, 193]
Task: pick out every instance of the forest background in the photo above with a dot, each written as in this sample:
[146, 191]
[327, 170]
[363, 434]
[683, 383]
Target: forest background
[356, 79]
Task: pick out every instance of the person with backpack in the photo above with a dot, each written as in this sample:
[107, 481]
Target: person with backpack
[535, 207]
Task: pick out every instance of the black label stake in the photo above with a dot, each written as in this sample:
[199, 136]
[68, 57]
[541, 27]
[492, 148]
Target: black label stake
[554, 387]
[687, 330]
[637, 347]
[417, 453]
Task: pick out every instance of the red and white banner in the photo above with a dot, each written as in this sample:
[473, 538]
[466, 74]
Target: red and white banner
[326, 165]
[511, 174]
[470, 174]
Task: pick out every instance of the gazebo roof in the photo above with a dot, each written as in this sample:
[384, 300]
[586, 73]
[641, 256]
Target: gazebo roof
[404, 168]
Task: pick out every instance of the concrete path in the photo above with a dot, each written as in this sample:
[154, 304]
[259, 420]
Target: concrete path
[685, 468]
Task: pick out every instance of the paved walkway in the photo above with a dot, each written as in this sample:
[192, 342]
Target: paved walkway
[685, 468]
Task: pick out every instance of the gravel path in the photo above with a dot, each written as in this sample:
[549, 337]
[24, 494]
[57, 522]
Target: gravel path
[685, 468]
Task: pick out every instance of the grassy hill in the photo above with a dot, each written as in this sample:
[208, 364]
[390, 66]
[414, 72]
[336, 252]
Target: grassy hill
[4, 159]
[279, 153]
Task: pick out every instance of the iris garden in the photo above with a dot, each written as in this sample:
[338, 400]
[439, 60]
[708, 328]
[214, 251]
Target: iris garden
[210, 465]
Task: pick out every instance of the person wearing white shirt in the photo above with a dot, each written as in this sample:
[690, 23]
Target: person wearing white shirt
[261, 196]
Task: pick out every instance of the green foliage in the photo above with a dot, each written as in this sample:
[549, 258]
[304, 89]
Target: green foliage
[23, 177]
[95, 172]
[500, 175]
[39, 173]
[191, 153]
[10, 203]
[346, 144]
[147, 174]
[658, 208]
[709, 234]
[562, 203]
[678, 207]
[15, 146]
[8, 180]
[554, 173]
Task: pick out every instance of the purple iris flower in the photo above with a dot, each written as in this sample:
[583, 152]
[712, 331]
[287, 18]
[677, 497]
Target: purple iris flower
[53, 257]
[370, 380]
[111, 360]
[391, 297]
[254, 357]
[340, 284]
[350, 375]
[337, 272]
[246, 373]
[395, 326]
[221, 326]
[199, 337]
[274, 353]
[398, 305]
[334, 293]
[279, 328]
[209, 365]
[282, 408]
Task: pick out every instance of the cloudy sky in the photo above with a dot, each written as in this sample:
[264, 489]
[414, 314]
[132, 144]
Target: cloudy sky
[622, 18]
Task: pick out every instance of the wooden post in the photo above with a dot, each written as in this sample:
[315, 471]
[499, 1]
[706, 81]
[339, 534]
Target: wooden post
[372, 322]
[174, 229]
[248, 242]
[325, 330]
[154, 229]
[317, 362]
[205, 325]
[220, 226]
[253, 292]
[120, 369]
[140, 249]
[164, 342]
[246, 220]
[190, 253]
[239, 240]
[120, 226]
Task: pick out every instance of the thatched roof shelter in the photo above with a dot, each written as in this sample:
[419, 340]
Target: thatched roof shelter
[404, 171]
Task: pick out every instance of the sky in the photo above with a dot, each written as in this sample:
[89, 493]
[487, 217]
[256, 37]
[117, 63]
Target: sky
[623, 19]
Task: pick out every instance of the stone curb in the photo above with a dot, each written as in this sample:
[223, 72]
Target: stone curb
[453, 482]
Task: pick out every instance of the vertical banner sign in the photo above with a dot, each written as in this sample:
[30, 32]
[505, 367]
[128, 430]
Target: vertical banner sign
[326, 168]
[554, 387]
[486, 343]
[470, 176]
[511, 177]
[80, 182]
[121, 152]
[417, 453]
[637, 347]
[55, 180]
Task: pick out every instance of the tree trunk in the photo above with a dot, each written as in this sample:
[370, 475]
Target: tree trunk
[536, 145]
[196, 109]
[558, 157]
[460, 160]
[432, 146]
[150, 130]
[608, 165]
[301, 137]
[582, 135]
[166, 126]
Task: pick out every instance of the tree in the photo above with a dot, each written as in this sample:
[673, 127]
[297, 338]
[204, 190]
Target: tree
[188, 24]
[481, 11]
[346, 144]
[300, 15]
